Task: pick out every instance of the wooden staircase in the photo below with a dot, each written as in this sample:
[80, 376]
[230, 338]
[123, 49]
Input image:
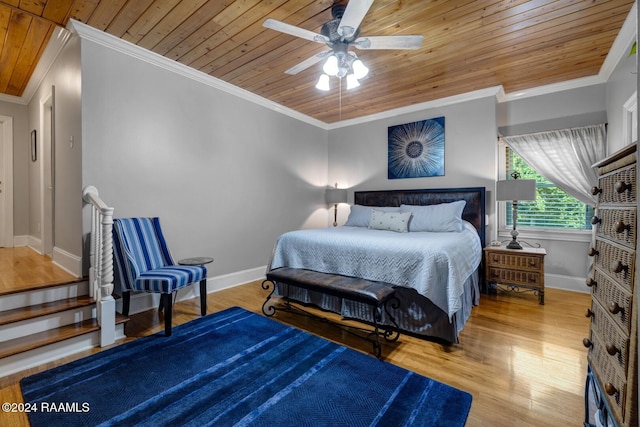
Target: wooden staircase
[47, 322]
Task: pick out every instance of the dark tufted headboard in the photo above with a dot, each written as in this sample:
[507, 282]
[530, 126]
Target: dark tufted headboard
[474, 210]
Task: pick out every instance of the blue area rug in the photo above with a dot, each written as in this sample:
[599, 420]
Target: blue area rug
[238, 368]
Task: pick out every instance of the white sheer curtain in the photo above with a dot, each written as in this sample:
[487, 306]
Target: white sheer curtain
[565, 157]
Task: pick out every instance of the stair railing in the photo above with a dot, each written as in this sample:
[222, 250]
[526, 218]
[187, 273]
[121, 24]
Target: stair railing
[101, 263]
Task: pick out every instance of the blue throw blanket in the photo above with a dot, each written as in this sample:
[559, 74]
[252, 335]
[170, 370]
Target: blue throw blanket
[434, 264]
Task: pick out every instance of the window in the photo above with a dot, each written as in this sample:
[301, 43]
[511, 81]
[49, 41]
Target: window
[552, 209]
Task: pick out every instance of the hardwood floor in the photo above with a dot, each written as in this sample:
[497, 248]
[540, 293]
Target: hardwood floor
[23, 268]
[523, 363]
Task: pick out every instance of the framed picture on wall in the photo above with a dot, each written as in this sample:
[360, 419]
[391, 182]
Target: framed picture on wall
[416, 149]
[34, 145]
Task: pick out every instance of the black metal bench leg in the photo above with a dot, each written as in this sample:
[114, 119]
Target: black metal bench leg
[377, 316]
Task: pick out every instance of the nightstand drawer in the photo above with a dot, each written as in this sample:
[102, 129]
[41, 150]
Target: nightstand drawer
[508, 260]
[515, 277]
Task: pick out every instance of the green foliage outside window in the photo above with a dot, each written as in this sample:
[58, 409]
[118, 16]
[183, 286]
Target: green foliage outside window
[553, 208]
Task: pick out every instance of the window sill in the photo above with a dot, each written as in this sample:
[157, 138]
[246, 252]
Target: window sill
[546, 234]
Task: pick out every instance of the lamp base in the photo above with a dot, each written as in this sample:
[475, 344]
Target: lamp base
[514, 245]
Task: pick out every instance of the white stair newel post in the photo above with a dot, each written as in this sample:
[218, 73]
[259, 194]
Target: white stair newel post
[107, 304]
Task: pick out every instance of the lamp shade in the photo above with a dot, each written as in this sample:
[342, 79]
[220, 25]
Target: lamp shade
[516, 189]
[334, 196]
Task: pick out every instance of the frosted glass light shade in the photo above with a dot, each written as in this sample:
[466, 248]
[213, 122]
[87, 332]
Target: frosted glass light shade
[331, 66]
[352, 82]
[359, 69]
[323, 82]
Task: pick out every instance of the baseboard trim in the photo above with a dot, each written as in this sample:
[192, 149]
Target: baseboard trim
[567, 283]
[146, 301]
[19, 241]
[69, 262]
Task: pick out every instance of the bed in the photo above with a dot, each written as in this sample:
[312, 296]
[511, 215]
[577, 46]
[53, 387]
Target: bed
[434, 267]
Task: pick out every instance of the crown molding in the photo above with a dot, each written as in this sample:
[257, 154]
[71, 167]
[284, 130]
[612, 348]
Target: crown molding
[107, 40]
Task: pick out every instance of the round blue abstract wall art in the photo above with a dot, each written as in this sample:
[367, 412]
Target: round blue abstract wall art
[416, 149]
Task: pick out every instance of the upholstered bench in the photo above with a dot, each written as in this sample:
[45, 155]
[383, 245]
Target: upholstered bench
[375, 294]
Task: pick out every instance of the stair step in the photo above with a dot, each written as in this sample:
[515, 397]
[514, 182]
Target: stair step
[38, 310]
[41, 339]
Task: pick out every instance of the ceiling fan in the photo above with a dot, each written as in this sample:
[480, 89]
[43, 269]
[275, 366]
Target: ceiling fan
[339, 34]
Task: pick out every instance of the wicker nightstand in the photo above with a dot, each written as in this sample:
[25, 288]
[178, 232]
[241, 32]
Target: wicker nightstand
[515, 268]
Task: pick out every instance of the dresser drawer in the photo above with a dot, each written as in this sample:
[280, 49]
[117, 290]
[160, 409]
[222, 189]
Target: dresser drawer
[617, 224]
[618, 186]
[616, 343]
[515, 277]
[613, 298]
[612, 381]
[617, 261]
[522, 262]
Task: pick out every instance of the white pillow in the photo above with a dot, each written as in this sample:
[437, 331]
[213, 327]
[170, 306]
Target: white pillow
[360, 216]
[440, 217]
[391, 221]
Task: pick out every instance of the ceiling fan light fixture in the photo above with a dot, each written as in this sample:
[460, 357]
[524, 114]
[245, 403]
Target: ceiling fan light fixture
[352, 81]
[323, 83]
[330, 67]
[359, 69]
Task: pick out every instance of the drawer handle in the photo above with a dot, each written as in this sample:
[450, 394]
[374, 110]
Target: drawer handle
[495, 259]
[532, 279]
[610, 389]
[614, 308]
[532, 263]
[593, 252]
[589, 313]
[621, 187]
[612, 349]
[595, 220]
[595, 191]
[591, 282]
[587, 343]
[618, 267]
[621, 227]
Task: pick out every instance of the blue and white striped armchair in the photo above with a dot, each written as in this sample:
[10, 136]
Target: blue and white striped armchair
[144, 264]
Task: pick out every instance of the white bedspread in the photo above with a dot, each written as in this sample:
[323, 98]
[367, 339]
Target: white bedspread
[435, 264]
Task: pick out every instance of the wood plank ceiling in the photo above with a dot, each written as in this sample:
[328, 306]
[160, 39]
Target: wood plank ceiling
[468, 45]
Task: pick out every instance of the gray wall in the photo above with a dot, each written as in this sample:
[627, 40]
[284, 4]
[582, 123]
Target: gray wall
[620, 87]
[21, 160]
[358, 153]
[225, 175]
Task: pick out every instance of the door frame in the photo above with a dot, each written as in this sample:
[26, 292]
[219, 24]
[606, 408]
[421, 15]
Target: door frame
[47, 193]
[6, 176]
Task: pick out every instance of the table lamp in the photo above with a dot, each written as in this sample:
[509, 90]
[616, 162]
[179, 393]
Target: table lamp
[515, 189]
[333, 196]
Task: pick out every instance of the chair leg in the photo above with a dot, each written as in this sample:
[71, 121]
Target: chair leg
[126, 302]
[203, 297]
[168, 310]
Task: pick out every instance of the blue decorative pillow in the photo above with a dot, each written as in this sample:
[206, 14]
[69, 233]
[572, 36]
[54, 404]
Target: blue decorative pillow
[441, 217]
[391, 221]
[361, 215]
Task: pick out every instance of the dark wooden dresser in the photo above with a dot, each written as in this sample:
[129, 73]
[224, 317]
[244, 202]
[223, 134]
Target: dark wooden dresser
[613, 338]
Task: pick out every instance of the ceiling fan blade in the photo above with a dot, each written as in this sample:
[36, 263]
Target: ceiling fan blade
[308, 62]
[283, 27]
[389, 42]
[353, 16]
